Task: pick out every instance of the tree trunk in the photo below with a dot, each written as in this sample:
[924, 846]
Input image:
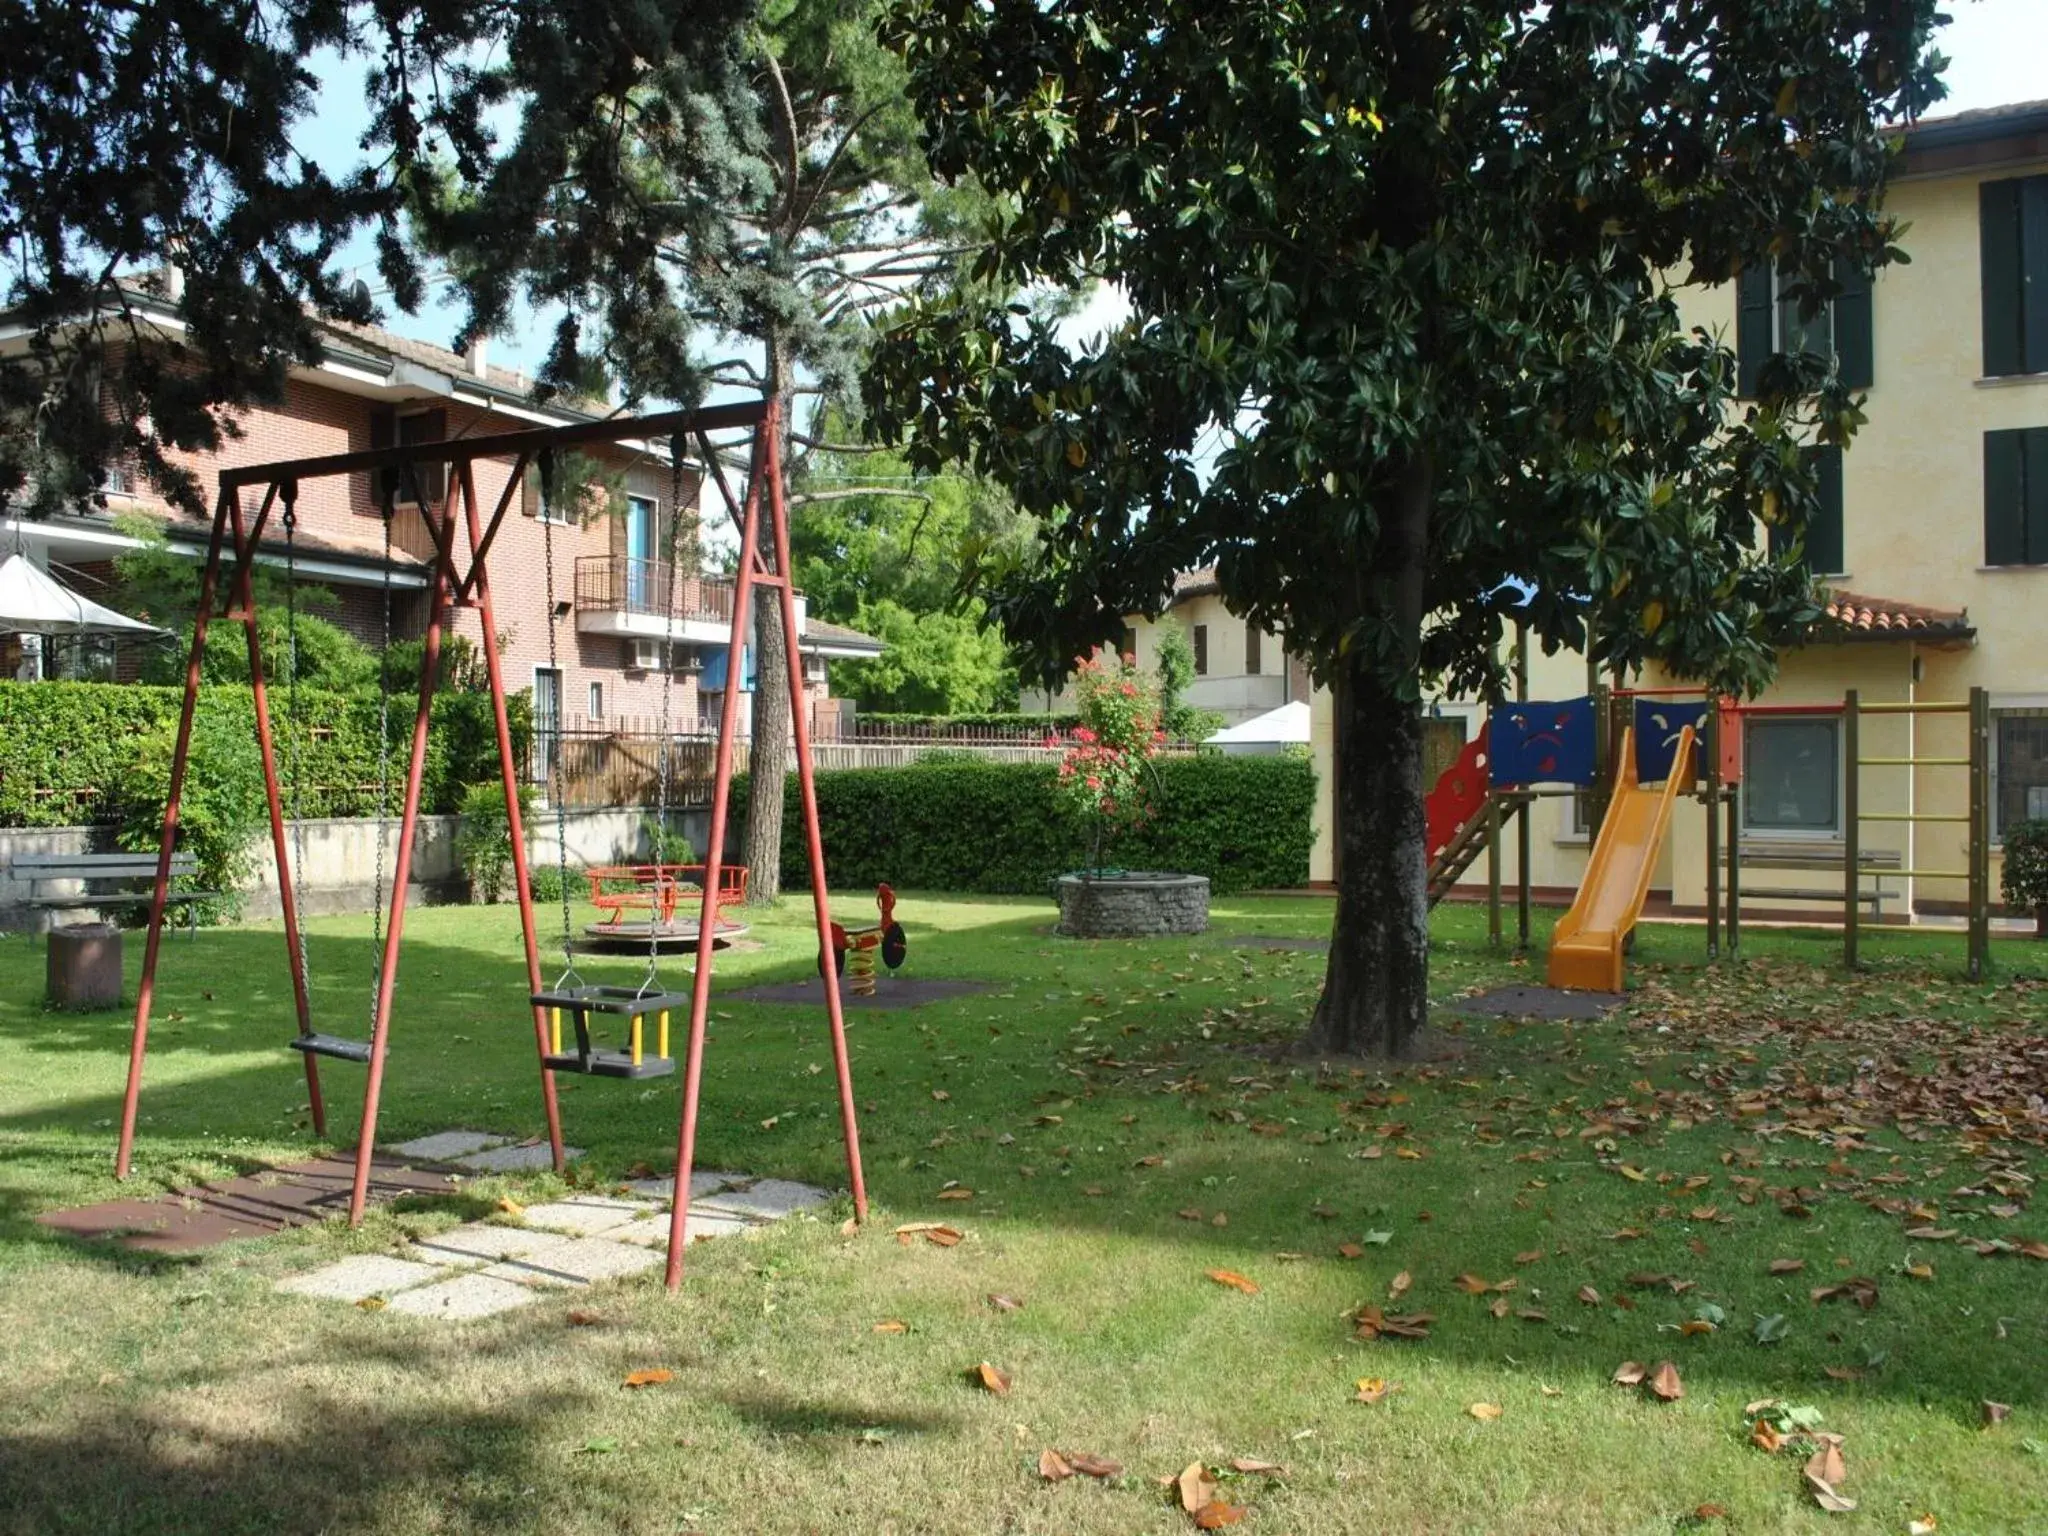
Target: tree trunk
[1376, 991]
[769, 764]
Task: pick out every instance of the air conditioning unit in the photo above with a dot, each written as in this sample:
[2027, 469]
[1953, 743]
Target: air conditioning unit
[646, 655]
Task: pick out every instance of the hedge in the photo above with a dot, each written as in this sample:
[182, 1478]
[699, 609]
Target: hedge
[1245, 822]
[68, 749]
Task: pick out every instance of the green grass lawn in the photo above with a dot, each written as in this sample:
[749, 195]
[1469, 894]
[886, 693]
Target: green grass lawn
[1126, 1124]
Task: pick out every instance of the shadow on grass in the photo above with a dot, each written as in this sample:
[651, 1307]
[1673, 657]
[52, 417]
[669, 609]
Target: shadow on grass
[790, 1417]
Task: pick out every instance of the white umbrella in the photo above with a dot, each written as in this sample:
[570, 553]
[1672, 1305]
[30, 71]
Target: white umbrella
[34, 603]
[1287, 726]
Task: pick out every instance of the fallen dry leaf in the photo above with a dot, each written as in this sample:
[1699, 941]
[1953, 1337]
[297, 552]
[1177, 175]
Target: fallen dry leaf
[1995, 1413]
[1630, 1373]
[1826, 1465]
[1374, 1389]
[1665, 1384]
[1053, 1467]
[1923, 1525]
[1375, 1324]
[1093, 1466]
[2034, 1248]
[1216, 1514]
[1710, 1512]
[892, 1325]
[1766, 1438]
[1189, 1213]
[1486, 1413]
[1398, 1286]
[1472, 1285]
[956, 1194]
[1529, 1256]
[1251, 1466]
[1787, 1266]
[1825, 1496]
[580, 1317]
[994, 1378]
[1196, 1487]
[932, 1231]
[1860, 1289]
[1350, 1251]
[371, 1304]
[1001, 1303]
[1500, 1306]
[1589, 1296]
[1234, 1280]
[510, 1206]
[653, 1376]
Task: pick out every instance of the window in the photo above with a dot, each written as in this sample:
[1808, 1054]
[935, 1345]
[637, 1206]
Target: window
[2016, 497]
[1767, 322]
[1824, 554]
[2012, 233]
[1792, 774]
[1251, 650]
[597, 701]
[2019, 766]
[427, 478]
[1200, 636]
[561, 501]
[1130, 644]
[547, 722]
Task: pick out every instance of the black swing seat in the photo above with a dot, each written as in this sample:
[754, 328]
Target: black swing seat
[340, 1047]
[627, 1003]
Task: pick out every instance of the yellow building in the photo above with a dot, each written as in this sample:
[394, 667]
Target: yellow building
[1933, 538]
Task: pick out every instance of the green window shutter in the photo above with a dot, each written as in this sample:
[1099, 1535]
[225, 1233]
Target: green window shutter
[1753, 301]
[1998, 234]
[1855, 343]
[2034, 487]
[2033, 261]
[2004, 498]
[1824, 533]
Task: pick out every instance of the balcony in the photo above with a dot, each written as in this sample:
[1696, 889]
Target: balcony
[625, 597]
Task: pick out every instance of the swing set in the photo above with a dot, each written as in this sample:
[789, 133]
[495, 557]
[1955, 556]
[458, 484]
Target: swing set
[637, 1011]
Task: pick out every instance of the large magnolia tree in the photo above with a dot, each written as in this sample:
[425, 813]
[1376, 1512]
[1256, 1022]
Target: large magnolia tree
[1414, 259]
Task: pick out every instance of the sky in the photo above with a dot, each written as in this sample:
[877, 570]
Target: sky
[1995, 47]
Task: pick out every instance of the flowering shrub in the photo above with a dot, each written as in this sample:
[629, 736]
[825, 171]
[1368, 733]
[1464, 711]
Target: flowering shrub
[1105, 774]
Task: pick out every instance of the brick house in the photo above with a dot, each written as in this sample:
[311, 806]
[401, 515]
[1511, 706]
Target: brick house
[599, 558]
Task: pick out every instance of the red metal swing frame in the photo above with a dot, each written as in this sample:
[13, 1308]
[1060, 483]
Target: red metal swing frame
[237, 534]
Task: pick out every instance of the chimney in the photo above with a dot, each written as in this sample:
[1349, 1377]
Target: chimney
[478, 357]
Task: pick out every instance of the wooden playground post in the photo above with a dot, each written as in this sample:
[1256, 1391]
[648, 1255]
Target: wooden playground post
[1528, 812]
[1493, 868]
[1711, 799]
[1734, 869]
[1980, 833]
[1852, 766]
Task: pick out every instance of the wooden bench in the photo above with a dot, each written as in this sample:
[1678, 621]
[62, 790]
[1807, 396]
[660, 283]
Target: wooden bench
[616, 889]
[91, 869]
[1873, 862]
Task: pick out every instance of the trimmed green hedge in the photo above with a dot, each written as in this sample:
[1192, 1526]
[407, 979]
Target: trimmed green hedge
[69, 750]
[1245, 822]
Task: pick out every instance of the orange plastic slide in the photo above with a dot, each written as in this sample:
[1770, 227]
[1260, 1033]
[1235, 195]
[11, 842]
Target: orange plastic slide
[1585, 951]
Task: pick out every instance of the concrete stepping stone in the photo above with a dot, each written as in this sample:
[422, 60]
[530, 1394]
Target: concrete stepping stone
[443, 1145]
[578, 1261]
[586, 1215]
[462, 1297]
[515, 1159]
[360, 1276]
[477, 1241]
[703, 1181]
[652, 1231]
[770, 1199]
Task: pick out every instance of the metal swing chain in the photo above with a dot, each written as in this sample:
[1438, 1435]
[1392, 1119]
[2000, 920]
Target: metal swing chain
[383, 763]
[547, 534]
[296, 874]
[650, 982]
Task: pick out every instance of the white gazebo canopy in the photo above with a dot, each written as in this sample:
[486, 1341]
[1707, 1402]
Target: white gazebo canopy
[32, 602]
[1286, 726]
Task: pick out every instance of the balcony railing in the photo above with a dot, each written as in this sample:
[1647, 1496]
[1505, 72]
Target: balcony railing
[625, 584]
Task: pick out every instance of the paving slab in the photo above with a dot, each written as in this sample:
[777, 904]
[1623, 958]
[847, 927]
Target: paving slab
[703, 1181]
[700, 1224]
[443, 1145]
[585, 1215]
[770, 1198]
[480, 1240]
[578, 1261]
[360, 1275]
[464, 1296]
[516, 1159]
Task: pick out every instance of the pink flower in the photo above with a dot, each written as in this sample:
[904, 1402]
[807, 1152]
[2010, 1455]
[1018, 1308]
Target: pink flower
[1094, 781]
[1083, 734]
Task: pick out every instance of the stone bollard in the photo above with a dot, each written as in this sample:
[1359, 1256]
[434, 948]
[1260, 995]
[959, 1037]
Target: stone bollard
[84, 966]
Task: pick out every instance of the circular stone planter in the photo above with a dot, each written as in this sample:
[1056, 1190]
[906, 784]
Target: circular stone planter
[1132, 904]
